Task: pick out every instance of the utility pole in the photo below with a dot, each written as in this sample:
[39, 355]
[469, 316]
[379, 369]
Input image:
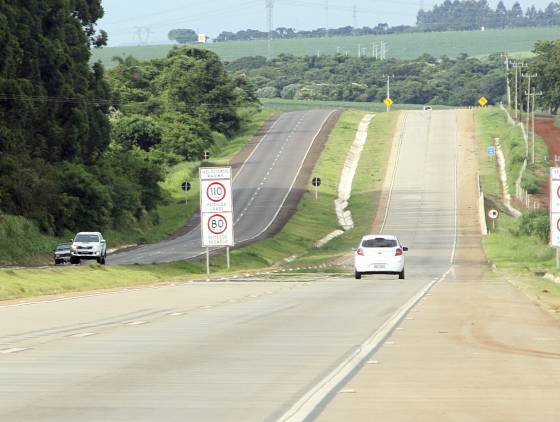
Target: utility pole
[533, 95]
[270, 25]
[516, 66]
[359, 50]
[529, 76]
[389, 89]
[508, 88]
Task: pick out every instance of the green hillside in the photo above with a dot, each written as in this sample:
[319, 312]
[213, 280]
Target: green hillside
[402, 46]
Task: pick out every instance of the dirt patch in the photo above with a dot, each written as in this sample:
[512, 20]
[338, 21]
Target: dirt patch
[546, 129]
[470, 259]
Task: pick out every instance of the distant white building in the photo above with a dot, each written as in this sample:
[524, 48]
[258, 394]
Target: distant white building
[202, 38]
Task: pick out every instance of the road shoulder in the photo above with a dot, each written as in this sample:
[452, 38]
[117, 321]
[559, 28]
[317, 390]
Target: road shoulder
[470, 350]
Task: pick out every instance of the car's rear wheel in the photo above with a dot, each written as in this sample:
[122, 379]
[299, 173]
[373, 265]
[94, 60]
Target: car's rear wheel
[57, 262]
[401, 275]
[74, 260]
[358, 275]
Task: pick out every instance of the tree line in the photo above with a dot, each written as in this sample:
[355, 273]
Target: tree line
[459, 15]
[425, 80]
[82, 149]
[451, 15]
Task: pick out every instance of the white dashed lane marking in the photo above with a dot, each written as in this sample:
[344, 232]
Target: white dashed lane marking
[135, 323]
[79, 335]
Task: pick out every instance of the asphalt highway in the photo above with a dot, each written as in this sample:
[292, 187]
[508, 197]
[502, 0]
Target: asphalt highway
[260, 189]
[247, 349]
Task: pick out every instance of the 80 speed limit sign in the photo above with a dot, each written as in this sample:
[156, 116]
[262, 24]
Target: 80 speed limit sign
[216, 206]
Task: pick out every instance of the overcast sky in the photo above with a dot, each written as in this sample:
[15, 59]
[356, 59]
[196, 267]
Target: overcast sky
[123, 18]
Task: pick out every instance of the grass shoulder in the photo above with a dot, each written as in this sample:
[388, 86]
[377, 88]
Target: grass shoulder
[517, 247]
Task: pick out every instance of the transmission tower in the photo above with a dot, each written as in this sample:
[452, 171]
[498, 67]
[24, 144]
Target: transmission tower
[355, 16]
[270, 25]
[142, 33]
[327, 18]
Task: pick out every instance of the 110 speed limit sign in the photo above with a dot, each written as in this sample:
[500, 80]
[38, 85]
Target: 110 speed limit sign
[216, 206]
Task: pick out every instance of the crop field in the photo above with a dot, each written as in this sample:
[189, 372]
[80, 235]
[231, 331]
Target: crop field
[402, 46]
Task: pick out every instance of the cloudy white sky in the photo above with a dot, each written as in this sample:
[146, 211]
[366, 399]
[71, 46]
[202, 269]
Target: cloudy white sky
[124, 17]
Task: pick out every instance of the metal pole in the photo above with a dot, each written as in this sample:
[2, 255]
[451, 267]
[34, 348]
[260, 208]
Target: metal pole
[316, 192]
[208, 261]
[388, 90]
[557, 258]
[228, 261]
[515, 65]
[186, 197]
[533, 128]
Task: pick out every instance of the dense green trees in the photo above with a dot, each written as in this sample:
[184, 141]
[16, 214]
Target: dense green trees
[475, 14]
[174, 106]
[458, 82]
[546, 65]
[183, 36]
[82, 150]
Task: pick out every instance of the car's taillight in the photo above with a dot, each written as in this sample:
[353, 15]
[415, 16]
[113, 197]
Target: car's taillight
[398, 252]
[360, 252]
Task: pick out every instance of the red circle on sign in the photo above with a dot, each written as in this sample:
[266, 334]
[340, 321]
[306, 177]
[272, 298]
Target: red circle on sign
[217, 224]
[216, 192]
[558, 192]
[558, 224]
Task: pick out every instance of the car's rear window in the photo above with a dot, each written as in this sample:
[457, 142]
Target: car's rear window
[379, 242]
[87, 238]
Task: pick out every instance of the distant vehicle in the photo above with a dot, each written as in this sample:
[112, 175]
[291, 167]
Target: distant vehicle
[61, 254]
[427, 107]
[379, 254]
[88, 245]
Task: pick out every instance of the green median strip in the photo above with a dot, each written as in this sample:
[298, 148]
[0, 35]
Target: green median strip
[312, 220]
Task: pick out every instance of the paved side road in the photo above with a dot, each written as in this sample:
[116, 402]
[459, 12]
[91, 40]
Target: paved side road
[260, 188]
[472, 350]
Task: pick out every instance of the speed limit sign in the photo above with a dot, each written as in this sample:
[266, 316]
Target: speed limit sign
[493, 214]
[217, 229]
[216, 206]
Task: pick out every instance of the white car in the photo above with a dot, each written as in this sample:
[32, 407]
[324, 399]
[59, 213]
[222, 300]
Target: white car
[88, 245]
[379, 254]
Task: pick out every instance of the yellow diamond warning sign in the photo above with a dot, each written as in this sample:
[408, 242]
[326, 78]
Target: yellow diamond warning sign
[388, 102]
[482, 101]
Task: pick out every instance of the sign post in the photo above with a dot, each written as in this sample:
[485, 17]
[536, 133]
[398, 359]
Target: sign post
[216, 207]
[555, 211]
[186, 186]
[491, 150]
[388, 103]
[316, 182]
[493, 215]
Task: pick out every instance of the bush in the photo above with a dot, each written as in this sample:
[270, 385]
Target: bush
[535, 223]
[267, 92]
[141, 131]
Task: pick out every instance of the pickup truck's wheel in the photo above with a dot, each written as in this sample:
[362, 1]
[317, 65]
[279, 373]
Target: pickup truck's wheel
[358, 275]
[57, 262]
[74, 260]
[101, 260]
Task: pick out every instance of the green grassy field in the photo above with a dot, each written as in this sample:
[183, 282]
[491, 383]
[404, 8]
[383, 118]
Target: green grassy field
[294, 105]
[492, 123]
[518, 258]
[312, 220]
[401, 46]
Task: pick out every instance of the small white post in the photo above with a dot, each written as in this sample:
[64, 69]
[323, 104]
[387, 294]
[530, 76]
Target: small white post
[316, 192]
[208, 261]
[557, 258]
[228, 261]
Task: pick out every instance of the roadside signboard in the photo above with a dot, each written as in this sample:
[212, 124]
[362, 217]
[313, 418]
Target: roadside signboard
[482, 101]
[316, 181]
[493, 214]
[491, 150]
[555, 207]
[388, 102]
[216, 206]
[186, 186]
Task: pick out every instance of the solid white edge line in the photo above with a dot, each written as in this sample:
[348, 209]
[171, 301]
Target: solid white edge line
[293, 181]
[14, 350]
[306, 405]
[456, 199]
[394, 176]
